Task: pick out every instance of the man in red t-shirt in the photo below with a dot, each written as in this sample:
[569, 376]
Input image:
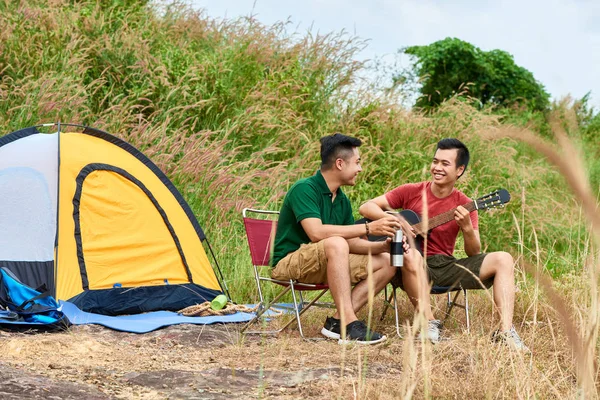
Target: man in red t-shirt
[443, 269]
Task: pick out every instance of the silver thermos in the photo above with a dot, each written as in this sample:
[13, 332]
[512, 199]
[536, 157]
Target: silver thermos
[396, 250]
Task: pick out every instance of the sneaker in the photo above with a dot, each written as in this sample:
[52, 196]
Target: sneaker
[510, 338]
[433, 331]
[332, 328]
[358, 332]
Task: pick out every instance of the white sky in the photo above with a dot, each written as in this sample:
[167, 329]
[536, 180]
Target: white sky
[557, 40]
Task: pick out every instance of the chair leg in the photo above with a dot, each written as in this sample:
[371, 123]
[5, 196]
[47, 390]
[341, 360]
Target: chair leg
[396, 313]
[450, 305]
[296, 305]
[301, 303]
[467, 311]
[387, 302]
[262, 308]
[298, 311]
[257, 279]
[304, 309]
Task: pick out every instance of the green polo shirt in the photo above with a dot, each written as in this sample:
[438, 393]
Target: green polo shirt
[308, 198]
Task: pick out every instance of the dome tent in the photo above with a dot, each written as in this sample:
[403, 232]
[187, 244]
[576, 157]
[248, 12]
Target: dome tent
[97, 223]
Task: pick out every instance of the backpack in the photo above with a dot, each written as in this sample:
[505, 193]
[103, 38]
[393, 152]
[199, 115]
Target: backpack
[24, 307]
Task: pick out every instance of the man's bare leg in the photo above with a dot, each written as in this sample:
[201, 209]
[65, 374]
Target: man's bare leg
[500, 266]
[382, 274]
[338, 277]
[416, 284]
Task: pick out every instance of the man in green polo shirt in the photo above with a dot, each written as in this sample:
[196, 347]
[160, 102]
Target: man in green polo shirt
[318, 242]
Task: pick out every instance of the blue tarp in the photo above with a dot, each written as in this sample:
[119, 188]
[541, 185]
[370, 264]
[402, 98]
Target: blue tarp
[147, 322]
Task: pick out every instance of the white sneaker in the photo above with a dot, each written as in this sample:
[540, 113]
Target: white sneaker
[510, 338]
[433, 331]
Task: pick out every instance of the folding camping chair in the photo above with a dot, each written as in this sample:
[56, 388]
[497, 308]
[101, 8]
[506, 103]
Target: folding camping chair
[450, 303]
[260, 234]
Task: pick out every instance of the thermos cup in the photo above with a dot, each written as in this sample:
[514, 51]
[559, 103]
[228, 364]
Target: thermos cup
[396, 250]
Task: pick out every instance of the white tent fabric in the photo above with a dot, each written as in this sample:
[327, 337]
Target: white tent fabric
[28, 198]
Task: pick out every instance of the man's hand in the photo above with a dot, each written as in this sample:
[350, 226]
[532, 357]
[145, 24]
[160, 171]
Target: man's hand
[406, 227]
[385, 246]
[463, 219]
[385, 226]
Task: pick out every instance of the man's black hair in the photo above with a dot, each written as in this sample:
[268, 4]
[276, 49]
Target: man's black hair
[336, 146]
[462, 156]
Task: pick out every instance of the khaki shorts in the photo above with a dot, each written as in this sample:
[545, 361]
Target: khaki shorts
[308, 264]
[445, 270]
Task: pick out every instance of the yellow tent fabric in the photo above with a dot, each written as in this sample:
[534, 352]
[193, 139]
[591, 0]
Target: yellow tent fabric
[130, 229]
[121, 228]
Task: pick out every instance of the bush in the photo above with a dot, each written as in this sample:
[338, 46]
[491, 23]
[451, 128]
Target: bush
[452, 67]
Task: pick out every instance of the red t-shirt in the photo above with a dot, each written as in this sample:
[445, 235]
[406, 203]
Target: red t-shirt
[441, 240]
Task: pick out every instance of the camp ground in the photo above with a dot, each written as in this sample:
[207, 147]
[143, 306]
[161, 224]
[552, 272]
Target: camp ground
[88, 219]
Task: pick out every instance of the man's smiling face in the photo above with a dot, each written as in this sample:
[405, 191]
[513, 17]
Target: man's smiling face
[443, 167]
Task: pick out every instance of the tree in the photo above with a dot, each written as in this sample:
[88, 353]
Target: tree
[588, 116]
[454, 67]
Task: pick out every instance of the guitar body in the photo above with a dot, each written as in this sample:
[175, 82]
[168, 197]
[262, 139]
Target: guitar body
[410, 216]
[413, 218]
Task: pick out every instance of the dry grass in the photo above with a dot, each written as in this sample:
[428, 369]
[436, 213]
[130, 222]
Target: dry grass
[466, 366]
[582, 324]
[232, 112]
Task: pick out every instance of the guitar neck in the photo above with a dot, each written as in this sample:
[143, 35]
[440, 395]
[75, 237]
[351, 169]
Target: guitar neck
[441, 219]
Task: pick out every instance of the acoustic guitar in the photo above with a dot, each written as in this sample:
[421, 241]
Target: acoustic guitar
[494, 199]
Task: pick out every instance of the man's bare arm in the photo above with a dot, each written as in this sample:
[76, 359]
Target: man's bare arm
[317, 231]
[470, 235]
[472, 242]
[376, 208]
[363, 246]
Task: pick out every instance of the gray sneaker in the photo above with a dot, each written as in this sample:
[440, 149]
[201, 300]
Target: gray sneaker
[510, 338]
[433, 331]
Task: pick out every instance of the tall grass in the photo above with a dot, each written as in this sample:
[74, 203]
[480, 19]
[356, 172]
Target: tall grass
[583, 337]
[232, 111]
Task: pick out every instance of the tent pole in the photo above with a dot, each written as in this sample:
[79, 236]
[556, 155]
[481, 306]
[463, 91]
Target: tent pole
[224, 284]
[57, 213]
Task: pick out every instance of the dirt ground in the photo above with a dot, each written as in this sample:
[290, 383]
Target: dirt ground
[177, 362]
[216, 362]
